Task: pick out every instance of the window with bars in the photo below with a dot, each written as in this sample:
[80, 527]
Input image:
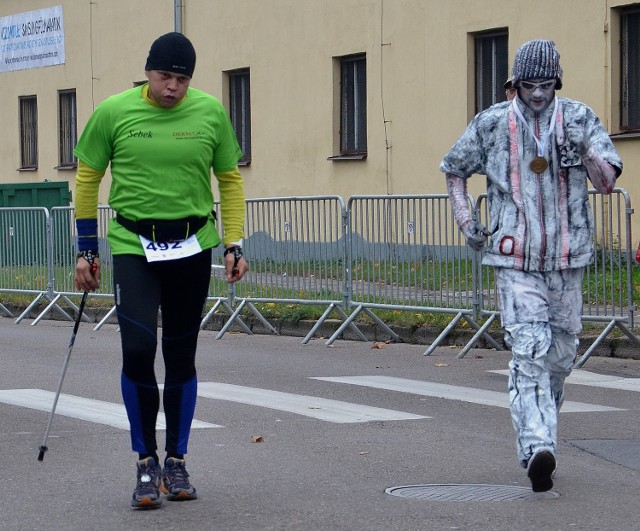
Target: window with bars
[67, 128]
[28, 132]
[630, 69]
[353, 105]
[240, 110]
[492, 68]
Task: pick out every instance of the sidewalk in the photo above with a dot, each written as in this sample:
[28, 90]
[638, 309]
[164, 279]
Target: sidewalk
[615, 345]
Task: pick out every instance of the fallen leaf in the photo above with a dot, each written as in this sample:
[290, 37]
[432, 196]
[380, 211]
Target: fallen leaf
[257, 438]
[441, 365]
[363, 453]
[379, 345]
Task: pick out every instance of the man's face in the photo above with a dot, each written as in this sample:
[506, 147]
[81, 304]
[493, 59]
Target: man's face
[537, 94]
[167, 88]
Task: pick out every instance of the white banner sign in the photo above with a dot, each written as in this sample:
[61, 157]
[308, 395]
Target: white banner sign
[32, 40]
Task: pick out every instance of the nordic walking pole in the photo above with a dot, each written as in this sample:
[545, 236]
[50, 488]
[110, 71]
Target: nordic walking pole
[43, 448]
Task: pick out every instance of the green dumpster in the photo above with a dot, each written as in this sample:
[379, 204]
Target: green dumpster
[23, 234]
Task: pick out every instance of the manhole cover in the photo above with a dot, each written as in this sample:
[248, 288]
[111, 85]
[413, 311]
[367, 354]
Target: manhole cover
[468, 493]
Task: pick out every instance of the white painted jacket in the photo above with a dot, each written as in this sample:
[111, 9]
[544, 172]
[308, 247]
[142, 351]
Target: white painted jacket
[538, 222]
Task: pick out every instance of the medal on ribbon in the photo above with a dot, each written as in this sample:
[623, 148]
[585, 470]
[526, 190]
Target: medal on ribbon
[539, 164]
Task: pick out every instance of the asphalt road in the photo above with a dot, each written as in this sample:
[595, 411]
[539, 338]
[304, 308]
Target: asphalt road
[297, 462]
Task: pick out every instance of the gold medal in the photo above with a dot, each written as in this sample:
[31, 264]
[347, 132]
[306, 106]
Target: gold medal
[539, 164]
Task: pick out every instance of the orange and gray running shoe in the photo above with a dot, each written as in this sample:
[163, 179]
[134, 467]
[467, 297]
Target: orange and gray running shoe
[147, 492]
[175, 481]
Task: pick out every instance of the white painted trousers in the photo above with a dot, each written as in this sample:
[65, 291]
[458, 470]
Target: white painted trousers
[541, 315]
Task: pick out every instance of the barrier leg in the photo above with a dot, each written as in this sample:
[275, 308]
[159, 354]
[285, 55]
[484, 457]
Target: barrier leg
[602, 337]
[344, 325]
[105, 318]
[481, 331]
[381, 324]
[443, 334]
[210, 313]
[233, 317]
[261, 318]
[33, 304]
[326, 314]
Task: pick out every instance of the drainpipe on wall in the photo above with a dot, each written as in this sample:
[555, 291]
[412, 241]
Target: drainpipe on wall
[177, 15]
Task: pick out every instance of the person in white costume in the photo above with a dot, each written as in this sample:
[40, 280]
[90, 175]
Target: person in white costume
[538, 152]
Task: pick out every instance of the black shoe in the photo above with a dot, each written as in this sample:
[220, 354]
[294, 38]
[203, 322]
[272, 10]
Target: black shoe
[147, 492]
[175, 481]
[540, 470]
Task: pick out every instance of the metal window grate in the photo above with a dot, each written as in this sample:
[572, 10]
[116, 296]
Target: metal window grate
[240, 109]
[68, 127]
[630, 70]
[28, 132]
[353, 105]
[492, 69]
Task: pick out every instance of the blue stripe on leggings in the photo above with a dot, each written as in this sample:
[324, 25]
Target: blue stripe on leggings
[187, 411]
[132, 405]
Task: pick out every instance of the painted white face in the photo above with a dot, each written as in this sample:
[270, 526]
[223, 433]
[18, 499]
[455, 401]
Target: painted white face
[537, 94]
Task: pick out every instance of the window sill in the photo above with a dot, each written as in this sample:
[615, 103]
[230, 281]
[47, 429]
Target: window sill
[66, 167]
[244, 162]
[625, 135]
[338, 158]
[31, 168]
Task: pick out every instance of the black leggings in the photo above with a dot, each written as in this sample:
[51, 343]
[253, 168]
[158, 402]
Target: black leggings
[179, 289]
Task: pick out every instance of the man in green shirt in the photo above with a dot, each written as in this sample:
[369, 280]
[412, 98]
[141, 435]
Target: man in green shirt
[161, 141]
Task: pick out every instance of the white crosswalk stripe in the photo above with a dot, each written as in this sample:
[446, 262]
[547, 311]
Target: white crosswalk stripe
[96, 411]
[329, 410]
[309, 406]
[451, 392]
[582, 377]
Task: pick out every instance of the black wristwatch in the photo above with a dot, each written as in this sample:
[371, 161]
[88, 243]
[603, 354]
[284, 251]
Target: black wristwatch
[89, 255]
[237, 253]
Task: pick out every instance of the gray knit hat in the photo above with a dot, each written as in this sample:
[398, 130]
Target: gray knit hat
[535, 59]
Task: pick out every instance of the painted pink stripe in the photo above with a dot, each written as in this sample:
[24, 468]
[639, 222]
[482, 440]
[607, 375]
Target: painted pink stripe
[563, 199]
[516, 191]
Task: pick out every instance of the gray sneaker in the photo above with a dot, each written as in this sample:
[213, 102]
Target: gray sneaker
[147, 492]
[175, 481]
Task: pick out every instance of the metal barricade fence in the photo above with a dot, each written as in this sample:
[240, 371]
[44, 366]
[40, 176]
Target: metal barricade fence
[64, 245]
[406, 253]
[296, 250]
[25, 253]
[608, 283]
[400, 252]
[221, 294]
[63, 251]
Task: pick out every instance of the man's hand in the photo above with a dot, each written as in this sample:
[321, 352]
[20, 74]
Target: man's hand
[475, 233]
[87, 277]
[576, 137]
[234, 263]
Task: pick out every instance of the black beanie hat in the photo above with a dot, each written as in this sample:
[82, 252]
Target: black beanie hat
[172, 52]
